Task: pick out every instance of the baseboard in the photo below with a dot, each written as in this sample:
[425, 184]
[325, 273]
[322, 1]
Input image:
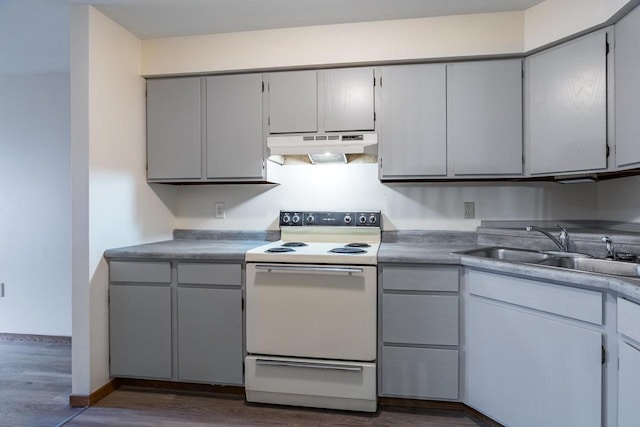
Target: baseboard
[80, 401]
[437, 405]
[176, 385]
[35, 338]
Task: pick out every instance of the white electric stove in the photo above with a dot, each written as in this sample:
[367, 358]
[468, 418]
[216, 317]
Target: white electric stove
[312, 312]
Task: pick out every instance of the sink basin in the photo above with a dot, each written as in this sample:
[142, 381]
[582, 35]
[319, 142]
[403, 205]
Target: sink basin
[510, 254]
[592, 265]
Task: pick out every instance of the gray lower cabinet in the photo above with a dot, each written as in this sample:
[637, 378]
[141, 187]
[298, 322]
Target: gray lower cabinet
[567, 100]
[485, 117]
[140, 319]
[209, 314]
[532, 359]
[628, 363]
[178, 321]
[627, 89]
[413, 122]
[419, 332]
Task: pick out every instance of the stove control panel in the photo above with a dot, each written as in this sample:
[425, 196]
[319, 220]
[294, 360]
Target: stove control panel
[334, 219]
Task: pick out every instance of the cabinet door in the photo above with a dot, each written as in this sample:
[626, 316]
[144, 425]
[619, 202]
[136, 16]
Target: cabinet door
[174, 136]
[348, 99]
[627, 87]
[485, 121]
[628, 385]
[234, 127]
[140, 331]
[210, 335]
[293, 102]
[568, 107]
[413, 121]
[528, 371]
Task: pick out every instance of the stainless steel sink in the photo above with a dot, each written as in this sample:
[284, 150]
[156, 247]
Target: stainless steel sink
[568, 260]
[509, 254]
[593, 265]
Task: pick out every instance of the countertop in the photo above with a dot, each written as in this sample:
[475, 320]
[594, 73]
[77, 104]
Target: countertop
[417, 247]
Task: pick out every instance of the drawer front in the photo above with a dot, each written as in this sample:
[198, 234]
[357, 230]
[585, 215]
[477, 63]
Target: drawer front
[579, 304]
[629, 319]
[443, 279]
[140, 272]
[210, 274]
[420, 373]
[420, 319]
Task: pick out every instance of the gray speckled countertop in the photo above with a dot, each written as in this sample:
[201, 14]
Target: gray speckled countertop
[419, 247]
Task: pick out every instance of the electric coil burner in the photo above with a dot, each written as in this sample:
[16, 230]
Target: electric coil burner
[311, 312]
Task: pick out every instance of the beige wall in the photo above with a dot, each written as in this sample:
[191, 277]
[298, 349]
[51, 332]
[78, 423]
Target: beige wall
[449, 36]
[114, 206]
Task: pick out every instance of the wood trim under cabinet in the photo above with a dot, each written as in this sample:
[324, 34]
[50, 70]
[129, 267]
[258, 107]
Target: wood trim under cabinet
[83, 400]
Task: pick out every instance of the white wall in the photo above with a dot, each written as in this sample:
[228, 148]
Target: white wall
[618, 199]
[425, 206]
[35, 195]
[113, 205]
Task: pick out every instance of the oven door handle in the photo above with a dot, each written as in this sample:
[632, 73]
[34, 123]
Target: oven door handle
[310, 365]
[304, 269]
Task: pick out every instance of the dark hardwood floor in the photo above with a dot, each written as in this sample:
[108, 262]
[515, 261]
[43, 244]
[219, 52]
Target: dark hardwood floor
[35, 381]
[133, 406]
[35, 384]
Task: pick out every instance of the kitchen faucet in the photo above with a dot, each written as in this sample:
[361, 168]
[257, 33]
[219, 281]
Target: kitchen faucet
[563, 240]
[611, 253]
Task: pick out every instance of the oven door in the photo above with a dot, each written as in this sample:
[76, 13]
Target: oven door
[318, 311]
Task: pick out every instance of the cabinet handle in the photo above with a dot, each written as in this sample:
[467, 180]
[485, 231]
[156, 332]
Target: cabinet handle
[309, 365]
[349, 270]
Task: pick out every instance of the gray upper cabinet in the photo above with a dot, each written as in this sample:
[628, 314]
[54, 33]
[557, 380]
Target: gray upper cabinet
[627, 89]
[293, 102]
[485, 117]
[337, 100]
[174, 137]
[568, 107]
[234, 127]
[413, 130]
[348, 99]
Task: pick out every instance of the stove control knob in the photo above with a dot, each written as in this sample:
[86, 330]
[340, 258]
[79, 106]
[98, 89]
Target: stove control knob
[295, 219]
[362, 219]
[310, 219]
[286, 218]
[373, 219]
[347, 219]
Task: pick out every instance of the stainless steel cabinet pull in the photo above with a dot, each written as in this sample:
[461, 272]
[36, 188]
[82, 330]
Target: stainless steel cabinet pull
[309, 269]
[310, 365]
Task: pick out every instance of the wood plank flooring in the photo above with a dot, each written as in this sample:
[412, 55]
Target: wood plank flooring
[132, 406]
[35, 381]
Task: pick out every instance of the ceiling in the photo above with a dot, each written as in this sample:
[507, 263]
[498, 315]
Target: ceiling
[170, 18]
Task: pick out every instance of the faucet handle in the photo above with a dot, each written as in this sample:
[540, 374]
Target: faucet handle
[611, 253]
[564, 237]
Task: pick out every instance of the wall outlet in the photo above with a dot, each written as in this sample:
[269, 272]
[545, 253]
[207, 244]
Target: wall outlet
[469, 210]
[218, 210]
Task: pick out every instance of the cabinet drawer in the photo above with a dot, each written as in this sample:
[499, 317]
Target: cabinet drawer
[420, 319]
[210, 274]
[579, 304]
[420, 373]
[140, 272]
[629, 319]
[420, 278]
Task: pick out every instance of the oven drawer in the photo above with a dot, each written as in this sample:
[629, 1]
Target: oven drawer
[317, 311]
[311, 382]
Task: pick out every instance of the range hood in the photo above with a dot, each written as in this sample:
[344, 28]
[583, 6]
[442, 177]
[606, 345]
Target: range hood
[352, 143]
